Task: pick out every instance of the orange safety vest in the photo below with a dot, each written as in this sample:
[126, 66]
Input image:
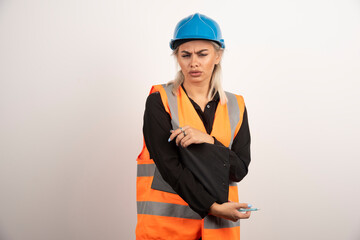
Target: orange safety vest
[161, 213]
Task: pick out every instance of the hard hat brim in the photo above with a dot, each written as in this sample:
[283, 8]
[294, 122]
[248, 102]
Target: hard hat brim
[175, 43]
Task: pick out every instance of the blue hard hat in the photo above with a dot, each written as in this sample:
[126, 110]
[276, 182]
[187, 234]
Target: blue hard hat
[196, 26]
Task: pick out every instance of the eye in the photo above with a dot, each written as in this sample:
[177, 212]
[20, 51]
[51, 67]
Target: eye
[203, 54]
[185, 55]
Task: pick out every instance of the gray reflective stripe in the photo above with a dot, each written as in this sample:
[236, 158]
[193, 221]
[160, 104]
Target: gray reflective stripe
[233, 112]
[172, 101]
[145, 170]
[212, 222]
[232, 183]
[166, 210]
[158, 183]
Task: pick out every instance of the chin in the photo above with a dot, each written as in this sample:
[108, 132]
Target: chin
[195, 79]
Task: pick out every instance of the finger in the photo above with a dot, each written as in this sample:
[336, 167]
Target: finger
[243, 205]
[185, 135]
[186, 141]
[188, 130]
[175, 133]
[179, 137]
[245, 215]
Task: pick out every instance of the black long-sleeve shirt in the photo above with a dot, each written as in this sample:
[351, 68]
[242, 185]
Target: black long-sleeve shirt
[156, 130]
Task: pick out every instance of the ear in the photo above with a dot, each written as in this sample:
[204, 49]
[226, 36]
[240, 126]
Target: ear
[218, 57]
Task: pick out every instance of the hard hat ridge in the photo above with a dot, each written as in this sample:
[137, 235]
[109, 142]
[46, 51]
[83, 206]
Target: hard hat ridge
[196, 26]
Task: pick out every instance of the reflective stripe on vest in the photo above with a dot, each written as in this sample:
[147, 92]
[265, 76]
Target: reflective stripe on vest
[212, 222]
[166, 210]
[234, 114]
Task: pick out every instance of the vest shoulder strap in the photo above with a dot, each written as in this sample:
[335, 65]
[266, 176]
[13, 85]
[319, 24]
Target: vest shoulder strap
[236, 108]
[169, 101]
[164, 96]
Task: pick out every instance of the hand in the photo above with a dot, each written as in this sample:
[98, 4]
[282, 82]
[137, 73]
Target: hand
[229, 210]
[192, 135]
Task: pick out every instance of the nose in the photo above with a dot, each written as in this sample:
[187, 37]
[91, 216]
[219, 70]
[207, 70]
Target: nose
[194, 63]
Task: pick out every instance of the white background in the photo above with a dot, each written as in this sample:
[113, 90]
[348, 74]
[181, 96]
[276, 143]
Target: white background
[74, 76]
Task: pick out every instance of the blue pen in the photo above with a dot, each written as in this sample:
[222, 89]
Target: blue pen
[248, 210]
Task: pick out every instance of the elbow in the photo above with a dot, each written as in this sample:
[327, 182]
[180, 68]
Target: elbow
[237, 176]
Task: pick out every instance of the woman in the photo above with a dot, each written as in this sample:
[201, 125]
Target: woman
[196, 145]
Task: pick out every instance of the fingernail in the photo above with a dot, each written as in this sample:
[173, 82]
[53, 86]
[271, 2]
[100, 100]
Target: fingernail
[171, 131]
[249, 205]
[169, 140]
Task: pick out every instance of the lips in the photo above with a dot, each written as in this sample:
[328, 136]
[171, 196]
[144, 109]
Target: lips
[195, 73]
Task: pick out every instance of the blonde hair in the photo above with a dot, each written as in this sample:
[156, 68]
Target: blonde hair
[215, 81]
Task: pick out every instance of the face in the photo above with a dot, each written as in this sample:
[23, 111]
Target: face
[197, 60]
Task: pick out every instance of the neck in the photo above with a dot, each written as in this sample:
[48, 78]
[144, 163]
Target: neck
[197, 91]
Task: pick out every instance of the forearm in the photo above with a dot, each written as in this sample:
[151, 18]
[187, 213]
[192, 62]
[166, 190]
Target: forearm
[183, 182]
[239, 162]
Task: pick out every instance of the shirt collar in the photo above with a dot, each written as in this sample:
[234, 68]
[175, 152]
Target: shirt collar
[216, 98]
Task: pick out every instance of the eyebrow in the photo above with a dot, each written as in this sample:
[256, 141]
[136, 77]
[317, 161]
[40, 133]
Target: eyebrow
[202, 50]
